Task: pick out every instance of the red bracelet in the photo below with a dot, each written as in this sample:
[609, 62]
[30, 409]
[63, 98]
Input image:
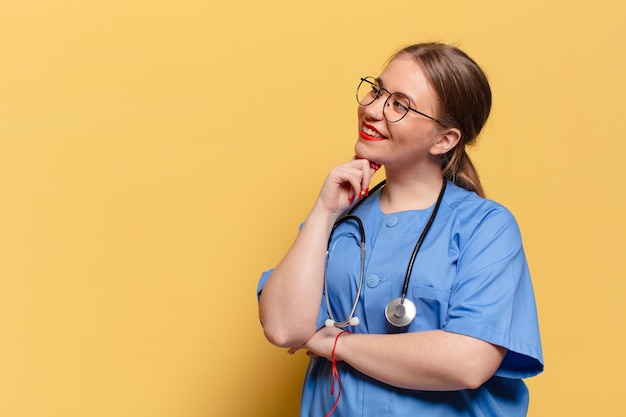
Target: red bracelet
[335, 374]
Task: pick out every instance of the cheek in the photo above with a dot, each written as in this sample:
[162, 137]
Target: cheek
[412, 133]
[360, 110]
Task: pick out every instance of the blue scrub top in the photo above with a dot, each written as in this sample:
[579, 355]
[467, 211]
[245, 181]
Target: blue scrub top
[470, 277]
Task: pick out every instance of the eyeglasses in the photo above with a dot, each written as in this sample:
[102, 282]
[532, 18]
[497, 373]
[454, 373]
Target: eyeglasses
[397, 105]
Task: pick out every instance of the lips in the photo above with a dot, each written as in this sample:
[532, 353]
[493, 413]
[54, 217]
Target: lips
[369, 132]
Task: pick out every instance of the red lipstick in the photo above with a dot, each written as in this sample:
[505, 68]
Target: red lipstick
[369, 132]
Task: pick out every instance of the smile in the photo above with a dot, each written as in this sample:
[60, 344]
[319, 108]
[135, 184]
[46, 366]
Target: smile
[370, 133]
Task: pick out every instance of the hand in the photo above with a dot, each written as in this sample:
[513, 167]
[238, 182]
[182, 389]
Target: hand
[321, 344]
[345, 183]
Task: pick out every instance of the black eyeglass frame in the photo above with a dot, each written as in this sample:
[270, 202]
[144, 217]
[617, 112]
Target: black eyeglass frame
[374, 83]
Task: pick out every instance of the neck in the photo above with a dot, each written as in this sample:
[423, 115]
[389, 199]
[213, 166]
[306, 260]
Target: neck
[416, 192]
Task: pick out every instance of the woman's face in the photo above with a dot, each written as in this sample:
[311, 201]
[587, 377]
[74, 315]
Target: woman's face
[411, 140]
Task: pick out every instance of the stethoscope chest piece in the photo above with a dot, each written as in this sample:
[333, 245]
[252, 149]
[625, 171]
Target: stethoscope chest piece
[400, 313]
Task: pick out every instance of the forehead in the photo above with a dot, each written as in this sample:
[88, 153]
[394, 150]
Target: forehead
[405, 75]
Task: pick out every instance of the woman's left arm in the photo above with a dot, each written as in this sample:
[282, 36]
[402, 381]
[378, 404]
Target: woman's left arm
[433, 360]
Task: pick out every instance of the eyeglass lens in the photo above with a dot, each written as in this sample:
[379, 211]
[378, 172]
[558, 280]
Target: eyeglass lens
[396, 104]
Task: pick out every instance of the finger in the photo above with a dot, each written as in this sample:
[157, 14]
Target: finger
[350, 176]
[351, 179]
[367, 169]
[374, 166]
[356, 184]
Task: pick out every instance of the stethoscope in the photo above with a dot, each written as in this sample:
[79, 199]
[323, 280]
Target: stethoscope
[400, 311]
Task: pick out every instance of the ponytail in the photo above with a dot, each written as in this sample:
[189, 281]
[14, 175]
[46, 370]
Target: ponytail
[464, 103]
[458, 168]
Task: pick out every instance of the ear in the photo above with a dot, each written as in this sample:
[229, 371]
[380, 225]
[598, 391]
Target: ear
[448, 139]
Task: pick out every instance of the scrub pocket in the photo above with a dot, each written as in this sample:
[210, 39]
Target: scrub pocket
[431, 306]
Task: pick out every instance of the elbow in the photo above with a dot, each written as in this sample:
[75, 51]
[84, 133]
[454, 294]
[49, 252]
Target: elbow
[474, 380]
[286, 330]
[476, 373]
[285, 337]
[279, 339]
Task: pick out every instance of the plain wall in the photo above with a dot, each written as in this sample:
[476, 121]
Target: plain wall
[156, 157]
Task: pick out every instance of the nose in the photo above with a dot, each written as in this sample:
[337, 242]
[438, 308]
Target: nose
[375, 110]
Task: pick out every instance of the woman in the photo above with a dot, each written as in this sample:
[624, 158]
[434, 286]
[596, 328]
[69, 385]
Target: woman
[434, 246]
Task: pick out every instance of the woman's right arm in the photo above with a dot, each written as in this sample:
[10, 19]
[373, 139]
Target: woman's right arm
[290, 301]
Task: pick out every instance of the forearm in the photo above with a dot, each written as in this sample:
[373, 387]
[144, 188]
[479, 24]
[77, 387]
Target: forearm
[433, 360]
[291, 299]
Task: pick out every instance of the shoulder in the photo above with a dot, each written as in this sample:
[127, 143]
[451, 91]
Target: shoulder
[469, 205]
[477, 216]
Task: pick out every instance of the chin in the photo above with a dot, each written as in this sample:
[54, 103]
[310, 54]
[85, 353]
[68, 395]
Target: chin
[362, 149]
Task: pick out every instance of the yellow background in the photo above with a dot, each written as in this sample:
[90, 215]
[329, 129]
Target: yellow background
[156, 156]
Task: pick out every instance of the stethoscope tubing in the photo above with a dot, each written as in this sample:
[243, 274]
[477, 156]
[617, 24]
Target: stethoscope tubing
[359, 223]
[349, 216]
[407, 278]
[429, 223]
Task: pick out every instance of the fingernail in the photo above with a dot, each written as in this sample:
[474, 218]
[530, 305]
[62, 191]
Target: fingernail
[352, 199]
[367, 191]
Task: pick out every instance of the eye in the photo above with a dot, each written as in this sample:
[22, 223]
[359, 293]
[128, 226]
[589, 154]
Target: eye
[400, 104]
[376, 90]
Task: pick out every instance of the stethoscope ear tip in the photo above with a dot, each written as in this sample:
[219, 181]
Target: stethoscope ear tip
[400, 311]
[354, 321]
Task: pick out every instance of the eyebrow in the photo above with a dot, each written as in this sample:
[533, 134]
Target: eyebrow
[382, 85]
